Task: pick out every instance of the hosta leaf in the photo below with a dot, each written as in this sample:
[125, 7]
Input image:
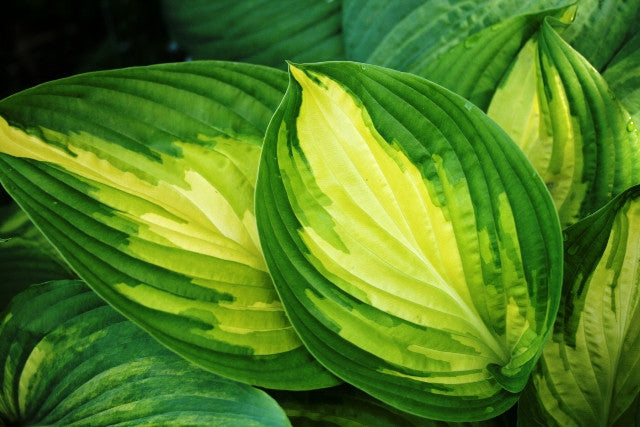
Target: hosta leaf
[386, 208]
[589, 372]
[343, 405]
[576, 133]
[600, 27]
[26, 257]
[408, 35]
[24, 262]
[474, 67]
[258, 31]
[623, 76]
[67, 358]
[346, 406]
[144, 180]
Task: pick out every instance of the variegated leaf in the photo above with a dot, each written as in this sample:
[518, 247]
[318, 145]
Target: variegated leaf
[416, 250]
[475, 67]
[572, 127]
[589, 372]
[67, 358]
[144, 180]
[408, 35]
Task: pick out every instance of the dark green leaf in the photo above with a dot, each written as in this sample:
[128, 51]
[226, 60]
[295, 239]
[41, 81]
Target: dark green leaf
[264, 32]
[67, 358]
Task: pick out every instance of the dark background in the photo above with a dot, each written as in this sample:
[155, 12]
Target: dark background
[42, 40]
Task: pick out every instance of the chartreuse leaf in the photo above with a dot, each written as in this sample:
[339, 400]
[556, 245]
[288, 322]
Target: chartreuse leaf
[565, 118]
[623, 76]
[415, 249]
[408, 35]
[257, 31]
[600, 27]
[589, 372]
[67, 358]
[144, 180]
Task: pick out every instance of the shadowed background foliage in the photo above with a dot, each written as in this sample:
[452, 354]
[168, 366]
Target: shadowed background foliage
[43, 41]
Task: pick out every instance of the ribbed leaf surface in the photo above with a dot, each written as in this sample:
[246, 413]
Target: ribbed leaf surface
[343, 405]
[26, 257]
[408, 35]
[414, 247]
[475, 67]
[22, 263]
[67, 358]
[572, 127]
[258, 31]
[346, 406]
[623, 76]
[600, 27]
[589, 373]
[144, 180]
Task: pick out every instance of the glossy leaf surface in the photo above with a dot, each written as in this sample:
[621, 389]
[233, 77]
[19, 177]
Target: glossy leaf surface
[416, 251]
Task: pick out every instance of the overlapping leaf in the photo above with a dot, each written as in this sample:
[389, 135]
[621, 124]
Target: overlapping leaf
[589, 372]
[600, 28]
[475, 67]
[346, 406]
[343, 405]
[410, 35]
[623, 76]
[67, 358]
[26, 257]
[258, 31]
[144, 180]
[572, 127]
[415, 249]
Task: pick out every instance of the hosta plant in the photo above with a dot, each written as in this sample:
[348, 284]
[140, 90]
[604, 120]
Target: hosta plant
[439, 232]
[402, 222]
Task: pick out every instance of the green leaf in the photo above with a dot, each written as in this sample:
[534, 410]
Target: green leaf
[600, 27]
[67, 358]
[264, 32]
[589, 372]
[345, 405]
[475, 66]
[144, 180]
[623, 76]
[24, 262]
[565, 118]
[26, 257]
[386, 208]
[408, 35]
